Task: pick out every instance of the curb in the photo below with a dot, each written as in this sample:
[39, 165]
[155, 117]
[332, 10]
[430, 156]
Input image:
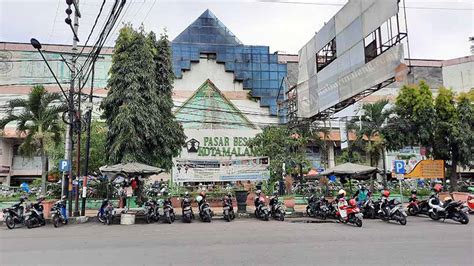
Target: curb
[72, 220]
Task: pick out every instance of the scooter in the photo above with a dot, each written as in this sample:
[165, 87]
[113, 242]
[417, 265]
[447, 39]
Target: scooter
[276, 209]
[228, 209]
[451, 210]
[262, 211]
[395, 212]
[168, 211]
[205, 212]
[369, 208]
[151, 211]
[15, 214]
[311, 207]
[57, 213]
[187, 215]
[34, 214]
[353, 214]
[106, 212]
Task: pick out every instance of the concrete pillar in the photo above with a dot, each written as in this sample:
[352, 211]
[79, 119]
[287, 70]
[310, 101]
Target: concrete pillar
[331, 160]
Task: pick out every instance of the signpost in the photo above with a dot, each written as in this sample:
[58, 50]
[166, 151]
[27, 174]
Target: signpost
[399, 173]
[64, 165]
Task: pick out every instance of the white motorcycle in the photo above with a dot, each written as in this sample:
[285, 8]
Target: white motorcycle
[395, 212]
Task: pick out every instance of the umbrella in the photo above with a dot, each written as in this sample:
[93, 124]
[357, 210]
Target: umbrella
[131, 168]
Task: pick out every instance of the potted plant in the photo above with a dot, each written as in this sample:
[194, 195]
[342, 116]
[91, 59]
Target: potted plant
[289, 202]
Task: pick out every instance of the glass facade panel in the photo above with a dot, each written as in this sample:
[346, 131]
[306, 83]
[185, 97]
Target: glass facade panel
[259, 70]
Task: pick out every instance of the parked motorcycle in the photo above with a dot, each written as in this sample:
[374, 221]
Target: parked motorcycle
[168, 211]
[353, 214]
[187, 215]
[276, 208]
[416, 206]
[311, 207]
[451, 210]
[106, 212]
[370, 208]
[34, 214]
[228, 209]
[57, 213]
[15, 214]
[151, 211]
[262, 211]
[393, 211]
[205, 211]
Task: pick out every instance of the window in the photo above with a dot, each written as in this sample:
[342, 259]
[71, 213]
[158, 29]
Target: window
[326, 55]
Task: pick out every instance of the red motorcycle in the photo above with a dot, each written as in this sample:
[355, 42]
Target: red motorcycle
[353, 214]
[416, 206]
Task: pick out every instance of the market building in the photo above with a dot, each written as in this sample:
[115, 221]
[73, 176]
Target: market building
[224, 91]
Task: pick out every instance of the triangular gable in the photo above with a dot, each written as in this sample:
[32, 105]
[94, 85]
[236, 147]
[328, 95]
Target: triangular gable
[208, 108]
[207, 29]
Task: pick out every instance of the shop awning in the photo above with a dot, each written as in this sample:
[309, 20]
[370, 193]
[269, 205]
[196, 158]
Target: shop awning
[130, 168]
[350, 169]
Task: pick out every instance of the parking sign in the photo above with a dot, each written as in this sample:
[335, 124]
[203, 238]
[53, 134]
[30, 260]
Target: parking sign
[399, 167]
[64, 165]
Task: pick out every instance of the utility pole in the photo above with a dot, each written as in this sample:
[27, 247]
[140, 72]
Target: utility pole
[78, 148]
[70, 134]
[88, 143]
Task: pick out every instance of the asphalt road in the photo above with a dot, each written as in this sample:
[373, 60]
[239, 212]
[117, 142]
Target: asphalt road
[242, 242]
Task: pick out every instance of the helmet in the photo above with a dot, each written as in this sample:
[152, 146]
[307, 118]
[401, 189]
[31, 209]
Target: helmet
[352, 202]
[275, 193]
[229, 194]
[438, 187]
[414, 191]
[186, 193]
[258, 192]
[342, 192]
[198, 198]
[386, 193]
[202, 194]
[23, 198]
[447, 198]
[64, 197]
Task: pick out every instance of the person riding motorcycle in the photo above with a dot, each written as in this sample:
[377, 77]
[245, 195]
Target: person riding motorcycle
[63, 207]
[362, 194]
[384, 201]
[104, 204]
[342, 203]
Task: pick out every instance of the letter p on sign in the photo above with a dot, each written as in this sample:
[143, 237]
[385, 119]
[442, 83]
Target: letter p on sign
[399, 167]
[64, 165]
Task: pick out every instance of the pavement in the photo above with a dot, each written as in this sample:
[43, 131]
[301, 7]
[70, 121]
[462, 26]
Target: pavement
[242, 242]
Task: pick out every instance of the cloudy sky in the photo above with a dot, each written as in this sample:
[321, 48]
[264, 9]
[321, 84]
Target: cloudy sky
[437, 29]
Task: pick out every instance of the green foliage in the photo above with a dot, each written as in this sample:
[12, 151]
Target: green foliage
[39, 120]
[413, 118]
[96, 152]
[138, 106]
[281, 145]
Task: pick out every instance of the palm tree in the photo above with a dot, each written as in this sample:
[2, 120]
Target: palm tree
[370, 126]
[38, 118]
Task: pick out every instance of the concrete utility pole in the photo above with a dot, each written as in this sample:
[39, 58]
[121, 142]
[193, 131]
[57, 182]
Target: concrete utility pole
[70, 133]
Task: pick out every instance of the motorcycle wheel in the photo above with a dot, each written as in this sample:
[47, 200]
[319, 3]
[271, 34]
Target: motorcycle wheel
[282, 216]
[402, 220]
[28, 224]
[358, 222]
[464, 219]
[265, 217]
[187, 218]
[168, 218]
[412, 211]
[56, 221]
[173, 217]
[147, 218]
[227, 216]
[434, 216]
[10, 222]
[109, 219]
[232, 215]
[99, 218]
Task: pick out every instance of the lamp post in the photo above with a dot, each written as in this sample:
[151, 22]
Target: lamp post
[37, 45]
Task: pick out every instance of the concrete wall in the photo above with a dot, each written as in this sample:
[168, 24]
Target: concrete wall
[459, 77]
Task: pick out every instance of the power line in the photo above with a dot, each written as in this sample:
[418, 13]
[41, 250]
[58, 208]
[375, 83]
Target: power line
[93, 27]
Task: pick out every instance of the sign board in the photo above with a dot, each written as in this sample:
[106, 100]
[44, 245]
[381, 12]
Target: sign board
[64, 165]
[427, 169]
[399, 167]
[221, 170]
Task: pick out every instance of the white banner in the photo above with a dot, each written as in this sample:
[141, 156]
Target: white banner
[209, 170]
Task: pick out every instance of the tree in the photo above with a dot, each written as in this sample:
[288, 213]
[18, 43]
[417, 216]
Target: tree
[281, 145]
[413, 119]
[137, 109]
[453, 132]
[40, 122]
[371, 124]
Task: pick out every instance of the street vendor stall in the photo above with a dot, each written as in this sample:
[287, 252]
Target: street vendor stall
[351, 171]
